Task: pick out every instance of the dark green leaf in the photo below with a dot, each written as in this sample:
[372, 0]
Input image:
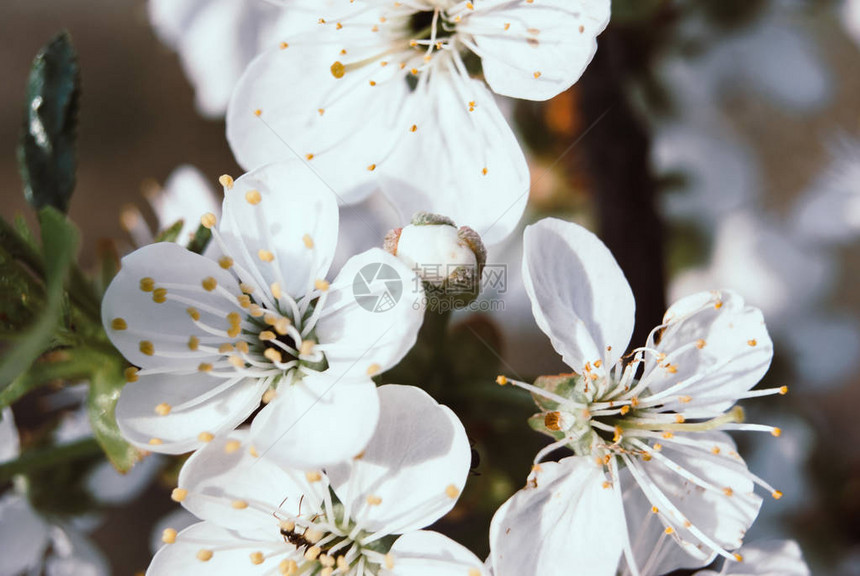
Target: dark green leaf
[105, 386]
[46, 152]
[59, 243]
[200, 240]
[172, 233]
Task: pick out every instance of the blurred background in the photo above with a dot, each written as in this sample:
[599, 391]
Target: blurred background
[711, 144]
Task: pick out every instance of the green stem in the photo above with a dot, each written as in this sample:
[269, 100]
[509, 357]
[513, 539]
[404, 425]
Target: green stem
[49, 457]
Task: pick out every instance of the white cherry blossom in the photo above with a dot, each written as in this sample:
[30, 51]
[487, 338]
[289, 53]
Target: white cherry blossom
[364, 516]
[212, 336]
[379, 93]
[771, 558]
[653, 421]
[215, 41]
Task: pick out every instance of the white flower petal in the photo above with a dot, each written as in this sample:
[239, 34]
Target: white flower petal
[167, 326]
[294, 219]
[108, 486]
[179, 430]
[426, 553]
[178, 519]
[564, 517]
[457, 156]
[24, 535]
[724, 513]
[413, 468]
[186, 196]
[372, 314]
[716, 348]
[230, 553]
[536, 49]
[772, 558]
[74, 555]
[225, 472]
[580, 297]
[321, 420]
[289, 87]
[10, 444]
[170, 18]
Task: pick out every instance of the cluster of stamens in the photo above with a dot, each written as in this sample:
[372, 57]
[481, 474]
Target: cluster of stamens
[262, 332]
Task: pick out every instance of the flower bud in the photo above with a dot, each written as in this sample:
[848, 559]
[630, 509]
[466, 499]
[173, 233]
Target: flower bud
[448, 260]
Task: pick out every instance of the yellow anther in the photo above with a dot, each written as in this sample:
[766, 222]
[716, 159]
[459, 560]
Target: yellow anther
[204, 367]
[282, 325]
[253, 197]
[728, 491]
[269, 395]
[313, 476]
[373, 369]
[208, 220]
[232, 446]
[270, 319]
[484, 171]
[668, 435]
[374, 500]
[265, 255]
[159, 295]
[634, 401]
[312, 553]
[624, 410]
[225, 262]
[168, 536]
[131, 374]
[783, 390]
[715, 450]
[225, 348]
[452, 492]
[372, 167]
[243, 347]
[658, 447]
[234, 331]
[246, 288]
[321, 111]
[671, 368]
[255, 311]
[700, 343]
[209, 283]
[236, 361]
[685, 399]
[507, 26]
[234, 318]
[313, 536]
[552, 420]
[752, 342]
[309, 156]
[244, 300]
[239, 504]
[738, 557]
[288, 567]
[163, 409]
[178, 494]
[119, 324]
[655, 510]
[718, 304]
[321, 285]
[283, 45]
[537, 75]
[194, 313]
[146, 347]
[679, 418]
[266, 335]
[338, 69]
[273, 355]
[275, 289]
[193, 342]
[501, 380]
[253, 452]
[309, 242]
[258, 112]
[205, 437]
[307, 347]
[257, 557]
[776, 432]
[777, 494]
[372, 83]
[204, 555]
[155, 442]
[226, 181]
[414, 128]
[474, 572]
[607, 485]
[147, 284]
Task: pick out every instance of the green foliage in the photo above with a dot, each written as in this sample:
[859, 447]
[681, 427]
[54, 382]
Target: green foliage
[59, 243]
[201, 239]
[46, 152]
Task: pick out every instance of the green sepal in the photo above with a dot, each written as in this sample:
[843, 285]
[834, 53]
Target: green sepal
[170, 234]
[564, 385]
[200, 240]
[537, 422]
[46, 151]
[105, 386]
